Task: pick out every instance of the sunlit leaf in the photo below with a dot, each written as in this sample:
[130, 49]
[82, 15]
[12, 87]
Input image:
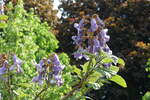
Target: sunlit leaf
[146, 96]
[94, 77]
[119, 80]
[25, 85]
[107, 60]
[3, 25]
[3, 17]
[77, 71]
[121, 62]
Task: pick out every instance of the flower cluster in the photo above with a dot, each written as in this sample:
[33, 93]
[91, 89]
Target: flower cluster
[49, 70]
[5, 67]
[92, 36]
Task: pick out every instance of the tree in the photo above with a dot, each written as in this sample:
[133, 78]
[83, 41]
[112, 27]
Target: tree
[43, 8]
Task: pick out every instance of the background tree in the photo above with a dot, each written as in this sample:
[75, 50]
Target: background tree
[43, 8]
[128, 22]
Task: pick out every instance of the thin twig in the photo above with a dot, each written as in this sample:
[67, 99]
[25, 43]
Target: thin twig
[79, 85]
[38, 94]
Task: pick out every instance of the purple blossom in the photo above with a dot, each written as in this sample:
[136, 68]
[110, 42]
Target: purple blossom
[100, 22]
[79, 27]
[94, 25]
[104, 35]
[40, 66]
[107, 49]
[48, 72]
[55, 60]
[16, 64]
[96, 43]
[2, 7]
[59, 82]
[57, 77]
[107, 65]
[57, 68]
[79, 54]
[38, 79]
[77, 40]
[3, 69]
[16, 60]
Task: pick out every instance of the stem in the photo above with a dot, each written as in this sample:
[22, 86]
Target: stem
[9, 86]
[77, 86]
[80, 84]
[38, 94]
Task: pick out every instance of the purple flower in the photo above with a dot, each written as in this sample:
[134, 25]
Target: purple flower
[17, 64]
[38, 79]
[104, 35]
[107, 65]
[58, 68]
[3, 69]
[40, 66]
[16, 60]
[59, 82]
[57, 77]
[107, 49]
[77, 40]
[96, 45]
[81, 23]
[79, 27]
[45, 73]
[55, 60]
[100, 22]
[79, 54]
[2, 7]
[94, 25]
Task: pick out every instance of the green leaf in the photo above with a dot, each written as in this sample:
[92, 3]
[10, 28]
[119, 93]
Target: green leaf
[107, 60]
[25, 85]
[95, 86]
[94, 77]
[3, 17]
[114, 68]
[85, 67]
[146, 96]
[3, 25]
[121, 62]
[119, 80]
[77, 71]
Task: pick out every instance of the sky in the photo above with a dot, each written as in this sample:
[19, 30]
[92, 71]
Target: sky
[56, 4]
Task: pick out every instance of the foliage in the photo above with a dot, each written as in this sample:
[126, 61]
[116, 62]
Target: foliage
[146, 96]
[31, 40]
[43, 8]
[25, 32]
[148, 67]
